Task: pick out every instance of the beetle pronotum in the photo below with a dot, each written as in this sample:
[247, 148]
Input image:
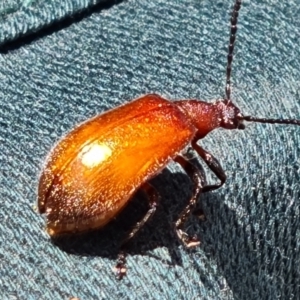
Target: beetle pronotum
[92, 173]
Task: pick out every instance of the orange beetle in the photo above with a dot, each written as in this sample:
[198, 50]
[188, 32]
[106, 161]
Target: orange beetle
[93, 171]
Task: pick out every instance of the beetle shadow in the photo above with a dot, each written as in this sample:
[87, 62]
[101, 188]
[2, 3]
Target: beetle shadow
[233, 257]
[174, 189]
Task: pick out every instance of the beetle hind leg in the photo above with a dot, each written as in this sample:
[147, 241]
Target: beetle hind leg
[153, 197]
[198, 178]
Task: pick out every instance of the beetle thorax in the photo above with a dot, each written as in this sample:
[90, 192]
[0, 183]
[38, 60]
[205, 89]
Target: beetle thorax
[209, 116]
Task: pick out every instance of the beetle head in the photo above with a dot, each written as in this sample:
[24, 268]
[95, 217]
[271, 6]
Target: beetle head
[231, 116]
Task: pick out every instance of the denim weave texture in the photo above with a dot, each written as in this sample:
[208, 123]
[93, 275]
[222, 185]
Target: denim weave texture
[62, 62]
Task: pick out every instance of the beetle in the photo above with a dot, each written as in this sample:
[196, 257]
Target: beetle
[93, 172]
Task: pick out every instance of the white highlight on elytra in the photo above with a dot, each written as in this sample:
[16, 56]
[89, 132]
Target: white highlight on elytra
[93, 155]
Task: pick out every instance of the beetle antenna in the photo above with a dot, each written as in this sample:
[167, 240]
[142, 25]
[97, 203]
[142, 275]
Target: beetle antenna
[272, 121]
[233, 30]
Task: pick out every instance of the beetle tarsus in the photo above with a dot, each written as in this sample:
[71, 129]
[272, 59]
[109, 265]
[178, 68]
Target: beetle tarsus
[120, 268]
[188, 241]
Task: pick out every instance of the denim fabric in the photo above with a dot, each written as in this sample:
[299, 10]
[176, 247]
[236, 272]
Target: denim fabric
[19, 18]
[52, 80]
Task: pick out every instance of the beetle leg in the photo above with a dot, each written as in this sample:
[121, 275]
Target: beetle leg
[213, 164]
[153, 197]
[198, 178]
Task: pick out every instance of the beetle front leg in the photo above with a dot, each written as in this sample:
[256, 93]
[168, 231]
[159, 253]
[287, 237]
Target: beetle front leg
[153, 197]
[198, 178]
[213, 164]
